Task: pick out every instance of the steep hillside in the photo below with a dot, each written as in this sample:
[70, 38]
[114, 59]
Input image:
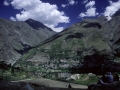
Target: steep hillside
[84, 37]
[112, 34]
[16, 38]
[91, 45]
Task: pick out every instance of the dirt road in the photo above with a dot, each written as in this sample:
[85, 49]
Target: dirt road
[53, 83]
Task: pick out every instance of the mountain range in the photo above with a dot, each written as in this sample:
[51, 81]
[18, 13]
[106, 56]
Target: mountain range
[89, 41]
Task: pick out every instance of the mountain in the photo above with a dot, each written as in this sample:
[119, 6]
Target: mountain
[16, 38]
[91, 43]
[117, 13]
[37, 25]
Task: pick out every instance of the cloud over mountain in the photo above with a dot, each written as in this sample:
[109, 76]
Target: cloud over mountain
[90, 10]
[111, 9]
[44, 12]
[58, 14]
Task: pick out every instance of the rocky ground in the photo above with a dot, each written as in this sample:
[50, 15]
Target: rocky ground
[111, 86]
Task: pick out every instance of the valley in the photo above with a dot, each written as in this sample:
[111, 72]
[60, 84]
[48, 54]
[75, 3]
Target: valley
[79, 54]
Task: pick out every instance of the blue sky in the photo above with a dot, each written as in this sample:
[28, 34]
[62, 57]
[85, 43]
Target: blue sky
[57, 14]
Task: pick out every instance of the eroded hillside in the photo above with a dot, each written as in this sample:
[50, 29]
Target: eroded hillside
[16, 38]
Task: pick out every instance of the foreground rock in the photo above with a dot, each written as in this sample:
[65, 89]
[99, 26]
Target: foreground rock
[112, 86]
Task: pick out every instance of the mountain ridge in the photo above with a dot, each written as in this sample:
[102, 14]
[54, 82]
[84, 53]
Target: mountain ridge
[18, 35]
[91, 40]
[36, 24]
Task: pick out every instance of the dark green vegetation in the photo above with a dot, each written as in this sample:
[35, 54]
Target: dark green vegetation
[8, 75]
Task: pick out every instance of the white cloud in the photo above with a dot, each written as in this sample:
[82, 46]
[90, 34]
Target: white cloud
[6, 3]
[82, 14]
[110, 1]
[12, 18]
[70, 3]
[44, 12]
[90, 10]
[111, 9]
[57, 29]
[63, 5]
[85, 1]
[90, 4]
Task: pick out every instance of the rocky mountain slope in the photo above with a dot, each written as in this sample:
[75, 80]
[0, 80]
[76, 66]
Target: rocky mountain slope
[16, 38]
[89, 43]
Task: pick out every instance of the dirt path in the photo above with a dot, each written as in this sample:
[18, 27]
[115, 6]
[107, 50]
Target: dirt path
[52, 83]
